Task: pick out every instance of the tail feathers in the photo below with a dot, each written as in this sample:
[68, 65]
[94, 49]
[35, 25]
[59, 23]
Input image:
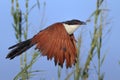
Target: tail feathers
[19, 48]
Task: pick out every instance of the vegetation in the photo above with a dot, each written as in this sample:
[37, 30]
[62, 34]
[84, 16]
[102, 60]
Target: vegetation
[80, 73]
[21, 31]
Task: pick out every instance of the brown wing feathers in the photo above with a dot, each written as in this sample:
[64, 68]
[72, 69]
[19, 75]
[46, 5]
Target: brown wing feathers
[56, 44]
[53, 42]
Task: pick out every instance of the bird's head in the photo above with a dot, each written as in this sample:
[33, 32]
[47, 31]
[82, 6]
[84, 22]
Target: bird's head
[72, 25]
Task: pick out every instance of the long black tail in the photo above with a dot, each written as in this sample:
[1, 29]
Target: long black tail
[19, 48]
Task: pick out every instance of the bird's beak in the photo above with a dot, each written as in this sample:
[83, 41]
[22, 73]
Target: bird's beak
[83, 23]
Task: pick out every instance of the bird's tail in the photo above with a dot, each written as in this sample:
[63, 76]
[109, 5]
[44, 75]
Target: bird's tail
[19, 48]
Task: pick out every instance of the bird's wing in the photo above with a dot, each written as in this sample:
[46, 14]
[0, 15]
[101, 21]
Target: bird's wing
[55, 42]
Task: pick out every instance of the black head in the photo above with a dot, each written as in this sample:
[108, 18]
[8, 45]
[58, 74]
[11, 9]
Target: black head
[74, 22]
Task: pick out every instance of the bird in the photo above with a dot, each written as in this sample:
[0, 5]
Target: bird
[56, 41]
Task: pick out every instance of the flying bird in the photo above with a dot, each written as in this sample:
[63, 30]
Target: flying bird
[56, 41]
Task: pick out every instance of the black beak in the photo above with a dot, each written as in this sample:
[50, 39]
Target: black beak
[83, 23]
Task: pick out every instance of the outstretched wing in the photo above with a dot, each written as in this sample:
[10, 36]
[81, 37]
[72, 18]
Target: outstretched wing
[55, 42]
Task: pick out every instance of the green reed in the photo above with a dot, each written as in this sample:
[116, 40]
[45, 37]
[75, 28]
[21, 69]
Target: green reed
[82, 73]
[21, 33]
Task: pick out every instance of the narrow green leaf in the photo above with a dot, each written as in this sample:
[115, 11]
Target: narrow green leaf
[104, 56]
[69, 75]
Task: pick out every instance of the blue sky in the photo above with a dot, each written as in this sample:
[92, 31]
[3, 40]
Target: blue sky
[56, 11]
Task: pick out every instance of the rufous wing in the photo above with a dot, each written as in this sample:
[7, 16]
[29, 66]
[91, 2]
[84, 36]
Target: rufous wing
[55, 42]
